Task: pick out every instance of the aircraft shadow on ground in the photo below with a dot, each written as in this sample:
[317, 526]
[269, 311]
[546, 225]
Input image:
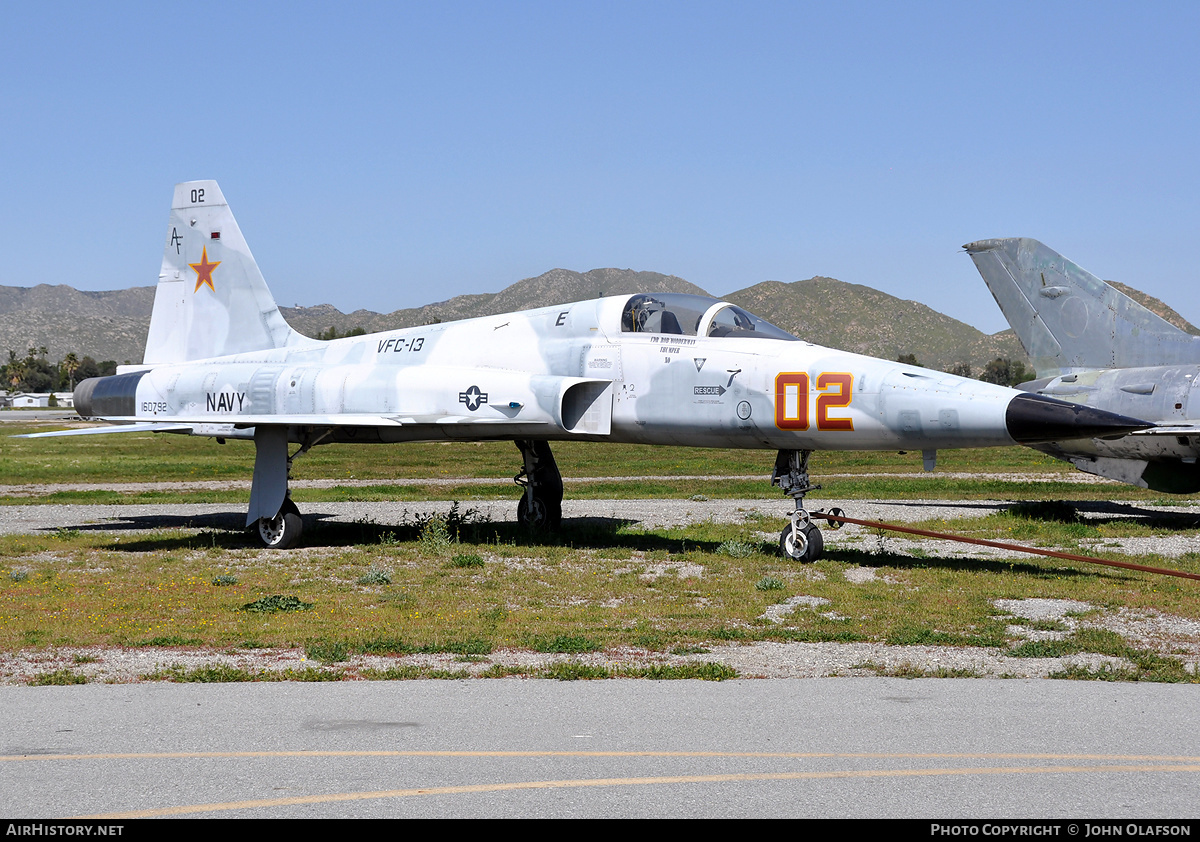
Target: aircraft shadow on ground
[226, 530]
[1121, 511]
[899, 561]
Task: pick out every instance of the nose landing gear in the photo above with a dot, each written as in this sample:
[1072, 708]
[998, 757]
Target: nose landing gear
[800, 539]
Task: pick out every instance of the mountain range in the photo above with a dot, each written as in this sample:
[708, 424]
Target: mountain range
[112, 325]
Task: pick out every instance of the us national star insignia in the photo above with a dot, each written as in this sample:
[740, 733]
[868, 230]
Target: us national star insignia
[473, 398]
[204, 271]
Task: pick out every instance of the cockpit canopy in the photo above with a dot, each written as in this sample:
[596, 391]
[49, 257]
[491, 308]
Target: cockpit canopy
[694, 315]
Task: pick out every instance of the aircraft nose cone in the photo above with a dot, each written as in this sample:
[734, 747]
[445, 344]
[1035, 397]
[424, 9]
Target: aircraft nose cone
[1037, 418]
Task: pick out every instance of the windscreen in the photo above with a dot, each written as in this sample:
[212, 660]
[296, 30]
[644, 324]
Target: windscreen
[694, 315]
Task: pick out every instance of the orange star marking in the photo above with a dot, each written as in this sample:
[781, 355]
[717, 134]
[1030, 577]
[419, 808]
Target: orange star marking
[204, 271]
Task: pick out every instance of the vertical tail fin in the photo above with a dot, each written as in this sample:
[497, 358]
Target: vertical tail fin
[1067, 318]
[211, 298]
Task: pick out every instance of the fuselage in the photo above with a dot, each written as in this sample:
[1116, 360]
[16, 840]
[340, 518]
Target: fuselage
[1164, 459]
[583, 370]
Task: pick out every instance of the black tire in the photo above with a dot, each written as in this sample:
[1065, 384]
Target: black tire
[283, 530]
[545, 514]
[816, 544]
[812, 552]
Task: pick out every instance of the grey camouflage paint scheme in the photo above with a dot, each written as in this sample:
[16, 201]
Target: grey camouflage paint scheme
[221, 361]
[1093, 345]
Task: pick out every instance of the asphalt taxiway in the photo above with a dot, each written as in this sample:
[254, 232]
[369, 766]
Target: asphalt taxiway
[884, 748]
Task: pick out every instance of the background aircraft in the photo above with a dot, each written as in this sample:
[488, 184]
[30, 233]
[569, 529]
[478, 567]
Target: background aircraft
[1092, 344]
[656, 369]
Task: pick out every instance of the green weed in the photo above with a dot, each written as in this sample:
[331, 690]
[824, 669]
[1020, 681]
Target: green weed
[704, 671]
[277, 602]
[736, 549]
[435, 537]
[328, 652]
[57, 678]
[375, 576]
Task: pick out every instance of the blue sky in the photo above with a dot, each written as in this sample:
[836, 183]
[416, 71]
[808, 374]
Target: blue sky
[388, 155]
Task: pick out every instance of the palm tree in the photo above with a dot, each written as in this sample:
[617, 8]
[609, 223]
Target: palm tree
[14, 372]
[68, 366]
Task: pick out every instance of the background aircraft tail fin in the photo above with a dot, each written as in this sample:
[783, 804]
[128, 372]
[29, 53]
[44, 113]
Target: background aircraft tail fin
[1067, 318]
[211, 298]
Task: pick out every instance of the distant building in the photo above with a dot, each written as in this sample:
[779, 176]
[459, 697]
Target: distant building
[26, 400]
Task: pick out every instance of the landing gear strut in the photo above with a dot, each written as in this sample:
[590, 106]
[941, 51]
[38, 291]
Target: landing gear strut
[800, 539]
[272, 513]
[541, 504]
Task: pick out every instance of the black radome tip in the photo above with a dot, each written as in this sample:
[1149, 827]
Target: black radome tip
[1032, 419]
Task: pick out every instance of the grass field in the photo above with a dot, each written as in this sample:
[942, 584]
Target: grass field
[149, 458]
[470, 587]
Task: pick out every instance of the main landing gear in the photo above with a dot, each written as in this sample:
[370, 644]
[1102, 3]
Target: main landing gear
[273, 516]
[283, 530]
[541, 503]
[800, 539]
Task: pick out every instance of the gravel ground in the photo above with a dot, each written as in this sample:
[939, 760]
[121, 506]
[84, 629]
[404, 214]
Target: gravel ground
[34, 489]
[1163, 633]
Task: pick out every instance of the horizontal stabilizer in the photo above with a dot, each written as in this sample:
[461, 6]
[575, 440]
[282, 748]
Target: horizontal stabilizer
[346, 420]
[115, 428]
[213, 425]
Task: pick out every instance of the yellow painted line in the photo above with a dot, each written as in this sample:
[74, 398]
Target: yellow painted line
[201, 755]
[655, 781]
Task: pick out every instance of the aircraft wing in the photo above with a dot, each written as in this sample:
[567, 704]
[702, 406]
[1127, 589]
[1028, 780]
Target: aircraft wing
[214, 424]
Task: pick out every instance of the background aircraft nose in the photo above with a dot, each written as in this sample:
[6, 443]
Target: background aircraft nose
[1037, 418]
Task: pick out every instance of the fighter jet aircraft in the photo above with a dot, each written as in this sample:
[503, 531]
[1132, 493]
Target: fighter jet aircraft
[655, 369]
[1093, 345]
